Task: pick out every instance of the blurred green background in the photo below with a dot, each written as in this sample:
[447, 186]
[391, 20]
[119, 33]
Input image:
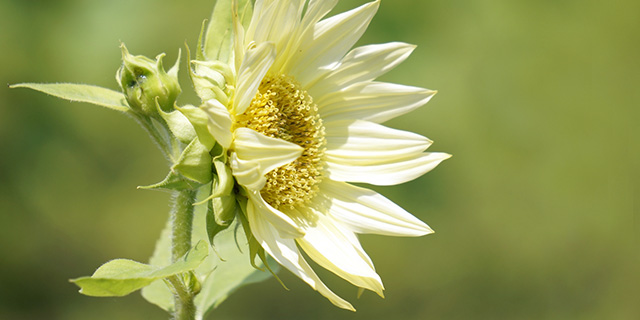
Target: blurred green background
[536, 214]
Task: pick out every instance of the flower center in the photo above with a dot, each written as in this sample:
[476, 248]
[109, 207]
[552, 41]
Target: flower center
[283, 110]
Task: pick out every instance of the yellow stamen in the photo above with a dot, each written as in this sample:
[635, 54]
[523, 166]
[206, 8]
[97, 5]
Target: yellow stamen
[283, 110]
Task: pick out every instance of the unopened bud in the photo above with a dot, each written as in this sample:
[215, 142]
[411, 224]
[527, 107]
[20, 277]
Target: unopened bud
[144, 80]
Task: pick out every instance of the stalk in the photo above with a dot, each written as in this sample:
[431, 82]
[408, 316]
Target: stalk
[182, 220]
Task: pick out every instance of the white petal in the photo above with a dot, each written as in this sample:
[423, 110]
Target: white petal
[219, 123]
[257, 61]
[366, 143]
[316, 10]
[366, 211]
[239, 36]
[286, 227]
[247, 172]
[277, 23]
[256, 154]
[362, 64]
[331, 39]
[372, 101]
[385, 174]
[286, 253]
[270, 153]
[329, 245]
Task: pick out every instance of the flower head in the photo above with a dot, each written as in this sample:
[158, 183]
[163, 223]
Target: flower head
[303, 120]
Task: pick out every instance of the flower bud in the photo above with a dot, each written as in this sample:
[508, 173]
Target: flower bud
[143, 81]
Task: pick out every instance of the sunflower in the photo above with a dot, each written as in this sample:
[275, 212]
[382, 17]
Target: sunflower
[303, 121]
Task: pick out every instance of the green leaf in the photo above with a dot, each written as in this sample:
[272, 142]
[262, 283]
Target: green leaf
[173, 181]
[232, 269]
[219, 37]
[120, 277]
[81, 93]
[220, 274]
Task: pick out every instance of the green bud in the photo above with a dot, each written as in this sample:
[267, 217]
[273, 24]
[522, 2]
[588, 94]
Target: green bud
[144, 80]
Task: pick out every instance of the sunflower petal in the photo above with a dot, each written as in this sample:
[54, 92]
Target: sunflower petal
[286, 227]
[219, 123]
[373, 101]
[362, 64]
[286, 253]
[331, 39]
[366, 211]
[385, 174]
[276, 23]
[269, 152]
[367, 143]
[257, 61]
[329, 246]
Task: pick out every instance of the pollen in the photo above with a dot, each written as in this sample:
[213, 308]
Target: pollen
[283, 110]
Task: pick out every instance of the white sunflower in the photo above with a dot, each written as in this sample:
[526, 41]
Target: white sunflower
[303, 121]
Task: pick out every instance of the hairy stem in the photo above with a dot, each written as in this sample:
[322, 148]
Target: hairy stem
[182, 220]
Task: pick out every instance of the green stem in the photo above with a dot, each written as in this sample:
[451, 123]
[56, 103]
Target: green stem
[182, 220]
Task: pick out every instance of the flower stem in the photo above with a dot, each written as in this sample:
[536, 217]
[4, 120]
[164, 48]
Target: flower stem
[182, 220]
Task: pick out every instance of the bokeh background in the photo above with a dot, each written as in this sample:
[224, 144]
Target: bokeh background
[536, 214]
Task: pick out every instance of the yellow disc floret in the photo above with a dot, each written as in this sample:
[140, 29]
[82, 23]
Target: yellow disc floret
[283, 110]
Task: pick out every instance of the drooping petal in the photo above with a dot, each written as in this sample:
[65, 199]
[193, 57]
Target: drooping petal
[286, 253]
[219, 123]
[329, 245]
[331, 39]
[366, 143]
[362, 64]
[372, 101]
[286, 227]
[385, 174]
[366, 211]
[256, 154]
[257, 61]
[247, 172]
[269, 152]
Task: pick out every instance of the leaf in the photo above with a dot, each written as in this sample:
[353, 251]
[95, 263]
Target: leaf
[220, 274]
[219, 37]
[230, 274]
[120, 277]
[173, 181]
[81, 93]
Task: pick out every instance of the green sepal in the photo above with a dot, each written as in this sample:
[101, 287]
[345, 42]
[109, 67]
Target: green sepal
[179, 125]
[194, 162]
[213, 228]
[224, 209]
[173, 181]
[218, 42]
[81, 93]
[223, 201]
[199, 49]
[120, 277]
[199, 120]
